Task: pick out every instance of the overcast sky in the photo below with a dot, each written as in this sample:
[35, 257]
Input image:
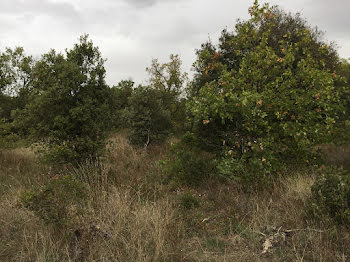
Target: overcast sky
[132, 32]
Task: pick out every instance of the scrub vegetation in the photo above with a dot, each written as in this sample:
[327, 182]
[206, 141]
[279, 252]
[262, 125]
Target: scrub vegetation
[247, 160]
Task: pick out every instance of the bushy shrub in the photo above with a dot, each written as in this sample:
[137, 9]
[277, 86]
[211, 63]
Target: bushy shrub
[59, 202]
[187, 163]
[170, 81]
[121, 92]
[250, 172]
[69, 110]
[7, 137]
[259, 167]
[331, 195]
[188, 201]
[265, 97]
[148, 117]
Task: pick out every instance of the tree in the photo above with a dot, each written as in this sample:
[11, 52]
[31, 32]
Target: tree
[342, 133]
[170, 81]
[69, 111]
[261, 98]
[167, 77]
[122, 92]
[344, 71]
[211, 59]
[15, 78]
[15, 69]
[154, 110]
[148, 117]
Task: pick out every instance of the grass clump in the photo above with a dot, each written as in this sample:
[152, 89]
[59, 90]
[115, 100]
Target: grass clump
[132, 214]
[59, 202]
[331, 195]
[187, 163]
[188, 201]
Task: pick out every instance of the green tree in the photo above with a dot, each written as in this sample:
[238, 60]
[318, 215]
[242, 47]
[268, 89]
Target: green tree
[167, 77]
[69, 111]
[15, 69]
[122, 92]
[230, 51]
[344, 71]
[259, 100]
[170, 81]
[342, 132]
[15, 80]
[148, 117]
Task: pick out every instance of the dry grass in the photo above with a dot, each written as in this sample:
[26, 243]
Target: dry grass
[118, 226]
[123, 222]
[126, 228]
[231, 225]
[129, 164]
[337, 155]
[132, 216]
[19, 169]
[122, 230]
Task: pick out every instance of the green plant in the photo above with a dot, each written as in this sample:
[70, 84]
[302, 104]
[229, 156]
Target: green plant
[250, 172]
[59, 202]
[170, 81]
[188, 201]
[331, 195]
[7, 137]
[148, 117]
[121, 92]
[69, 111]
[265, 102]
[187, 163]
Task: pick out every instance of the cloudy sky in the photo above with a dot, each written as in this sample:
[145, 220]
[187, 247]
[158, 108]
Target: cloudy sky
[132, 32]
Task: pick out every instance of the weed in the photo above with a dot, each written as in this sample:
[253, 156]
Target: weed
[188, 201]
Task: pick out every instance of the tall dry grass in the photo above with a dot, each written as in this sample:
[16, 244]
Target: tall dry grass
[126, 228]
[124, 221]
[18, 169]
[133, 216]
[122, 229]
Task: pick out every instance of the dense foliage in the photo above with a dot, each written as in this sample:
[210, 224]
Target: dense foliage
[342, 131]
[148, 116]
[331, 195]
[264, 97]
[170, 81]
[187, 163]
[152, 112]
[261, 98]
[122, 93]
[52, 204]
[15, 71]
[69, 111]
[217, 169]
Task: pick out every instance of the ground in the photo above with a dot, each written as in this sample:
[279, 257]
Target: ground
[134, 215]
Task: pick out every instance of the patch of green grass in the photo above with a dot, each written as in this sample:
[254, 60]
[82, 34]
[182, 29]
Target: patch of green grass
[215, 244]
[188, 201]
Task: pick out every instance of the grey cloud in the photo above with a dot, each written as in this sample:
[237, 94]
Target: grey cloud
[148, 3]
[331, 17]
[132, 32]
[141, 3]
[16, 7]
